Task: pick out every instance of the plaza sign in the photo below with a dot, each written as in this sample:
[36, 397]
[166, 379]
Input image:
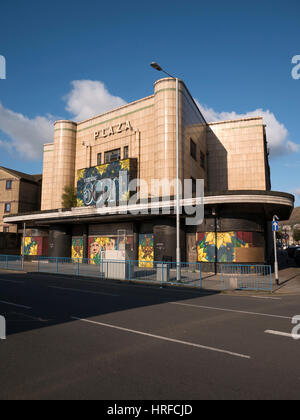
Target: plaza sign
[112, 130]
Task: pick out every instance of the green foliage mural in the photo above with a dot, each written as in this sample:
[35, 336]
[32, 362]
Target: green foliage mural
[223, 246]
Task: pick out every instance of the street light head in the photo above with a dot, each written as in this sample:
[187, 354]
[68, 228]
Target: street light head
[156, 66]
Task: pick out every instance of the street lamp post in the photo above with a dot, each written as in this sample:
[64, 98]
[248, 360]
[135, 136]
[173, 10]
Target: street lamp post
[23, 245]
[178, 257]
[275, 219]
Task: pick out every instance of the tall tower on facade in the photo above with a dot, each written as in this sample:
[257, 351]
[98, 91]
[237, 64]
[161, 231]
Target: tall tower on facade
[64, 159]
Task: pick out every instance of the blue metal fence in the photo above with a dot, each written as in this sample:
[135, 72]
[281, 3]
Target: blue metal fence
[11, 262]
[246, 277]
[232, 276]
[144, 271]
[166, 272]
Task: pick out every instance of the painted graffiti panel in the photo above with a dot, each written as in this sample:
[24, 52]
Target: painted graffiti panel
[146, 250]
[221, 247]
[92, 186]
[106, 243]
[33, 246]
[77, 249]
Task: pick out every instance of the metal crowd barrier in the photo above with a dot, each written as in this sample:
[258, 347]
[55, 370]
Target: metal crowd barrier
[141, 271]
[246, 277]
[166, 272]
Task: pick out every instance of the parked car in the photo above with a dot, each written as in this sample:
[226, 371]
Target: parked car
[292, 249]
[297, 257]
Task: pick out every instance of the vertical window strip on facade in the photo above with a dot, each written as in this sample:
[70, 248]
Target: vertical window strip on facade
[7, 207]
[193, 148]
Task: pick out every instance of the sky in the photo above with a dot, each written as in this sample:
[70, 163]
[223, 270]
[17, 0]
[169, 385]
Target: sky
[73, 60]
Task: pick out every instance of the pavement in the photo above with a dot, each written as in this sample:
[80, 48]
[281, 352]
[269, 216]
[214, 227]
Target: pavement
[81, 339]
[289, 278]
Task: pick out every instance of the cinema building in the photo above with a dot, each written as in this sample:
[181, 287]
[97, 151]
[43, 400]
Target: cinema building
[139, 139]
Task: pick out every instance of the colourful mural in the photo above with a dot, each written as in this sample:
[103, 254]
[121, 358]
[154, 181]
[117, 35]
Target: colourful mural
[105, 243]
[91, 185]
[31, 246]
[77, 249]
[146, 250]
[97, 245]
[223, 246]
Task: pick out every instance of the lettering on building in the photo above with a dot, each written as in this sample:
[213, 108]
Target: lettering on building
[112, 130]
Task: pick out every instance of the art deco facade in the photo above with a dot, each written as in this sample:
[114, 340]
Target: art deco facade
[140, 139]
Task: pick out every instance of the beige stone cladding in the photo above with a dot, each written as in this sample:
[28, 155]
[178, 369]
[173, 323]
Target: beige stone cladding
[131, 126]
[48, 176]
[59, 164]
[163, 153]
[192, 130]
[64, 159]
[228, 155]
[146, 128]
[236, 155]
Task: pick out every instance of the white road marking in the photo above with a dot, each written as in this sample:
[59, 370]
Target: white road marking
[282, 334]
[34, 318]
[82, 291]
[15, 304]
[229, 310]
[249, 296]
[164, 338]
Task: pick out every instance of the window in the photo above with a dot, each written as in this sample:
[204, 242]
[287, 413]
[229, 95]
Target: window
[193, 150]
[202, 160]
[99, 159]
[112, 155]
[126, 152]
[194, 186]
[7, 208]
[6, 229]
[8, 185]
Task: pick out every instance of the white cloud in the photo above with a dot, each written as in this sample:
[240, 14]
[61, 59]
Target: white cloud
[89, 98]
[297, 192]
[277, 133]
[26, 135]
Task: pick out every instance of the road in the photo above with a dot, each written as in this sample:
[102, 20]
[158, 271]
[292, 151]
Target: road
[79, 339]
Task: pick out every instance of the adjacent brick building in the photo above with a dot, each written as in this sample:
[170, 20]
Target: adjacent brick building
[19, 193]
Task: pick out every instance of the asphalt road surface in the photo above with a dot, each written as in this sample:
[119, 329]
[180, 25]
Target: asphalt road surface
[79, 339]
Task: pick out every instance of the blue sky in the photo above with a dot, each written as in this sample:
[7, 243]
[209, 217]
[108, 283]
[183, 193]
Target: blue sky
[234, 56]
